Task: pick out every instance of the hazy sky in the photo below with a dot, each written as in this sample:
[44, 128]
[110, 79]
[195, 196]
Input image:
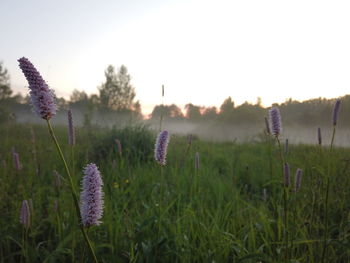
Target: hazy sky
[202, 51]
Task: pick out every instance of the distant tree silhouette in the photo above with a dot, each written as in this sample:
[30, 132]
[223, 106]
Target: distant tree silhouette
[5, 88]
[78, 96]
[193, 112]
[168, 111]
[136, 107]
[209, 113]
[226, 109]
[117, 93]
[249, 114]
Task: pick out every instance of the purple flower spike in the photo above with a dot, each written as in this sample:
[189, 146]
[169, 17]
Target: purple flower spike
[319, 136]
[161, 147]
[286, 175]
[24, 218]
[298, 175]
[41, 96]
[275, 121]
[16, 161]
[71, 131]
[91, 197]
[336, 112]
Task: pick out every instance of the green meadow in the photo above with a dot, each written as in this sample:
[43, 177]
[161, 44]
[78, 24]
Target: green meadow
[230, 206]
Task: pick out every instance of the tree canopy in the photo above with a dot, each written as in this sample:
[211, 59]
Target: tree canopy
[117, 93]
[5, 88]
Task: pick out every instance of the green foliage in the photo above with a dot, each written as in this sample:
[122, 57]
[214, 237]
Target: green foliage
[227, 108]
[137, 145]
[117, 93]
[193, 112]
[5, 115]
[173, 213]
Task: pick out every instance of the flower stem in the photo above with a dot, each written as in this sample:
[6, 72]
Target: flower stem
[74, 194]
[333, 135]
[285, 204]
[326, 201]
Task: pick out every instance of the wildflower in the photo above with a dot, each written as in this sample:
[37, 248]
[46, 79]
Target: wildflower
[91, 198]
[71, 131]
[161, 147]
[275, 121]
[24, 218]
[16, 161]
[41, 96]
[298, 175]
[286, 175]
[336, 112]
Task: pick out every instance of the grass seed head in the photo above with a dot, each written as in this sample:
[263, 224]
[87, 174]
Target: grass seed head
[336, 112]
[319, 136]
[71, 131]
[197, 161]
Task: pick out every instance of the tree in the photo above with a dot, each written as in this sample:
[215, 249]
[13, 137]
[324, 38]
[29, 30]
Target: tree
[137, 107]
[209, 113]
[117, 93]
[167, 111]
[193, 112]
[227, 106]
[5, 88]
[78, 96]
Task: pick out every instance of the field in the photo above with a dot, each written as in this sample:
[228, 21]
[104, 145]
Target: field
[230, 205]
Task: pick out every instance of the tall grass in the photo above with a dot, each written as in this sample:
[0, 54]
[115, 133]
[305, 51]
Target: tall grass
[225, 218]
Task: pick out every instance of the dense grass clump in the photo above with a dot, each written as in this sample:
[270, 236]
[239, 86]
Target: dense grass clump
[137, 144]
[227, 209]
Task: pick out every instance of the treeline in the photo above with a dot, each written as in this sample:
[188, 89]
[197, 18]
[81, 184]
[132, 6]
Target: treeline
[313, 112]
[115, 102]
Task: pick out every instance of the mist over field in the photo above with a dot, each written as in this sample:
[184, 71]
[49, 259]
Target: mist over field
[209, 130]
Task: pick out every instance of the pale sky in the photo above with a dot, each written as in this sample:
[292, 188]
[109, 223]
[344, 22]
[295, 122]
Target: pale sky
[202, 51]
